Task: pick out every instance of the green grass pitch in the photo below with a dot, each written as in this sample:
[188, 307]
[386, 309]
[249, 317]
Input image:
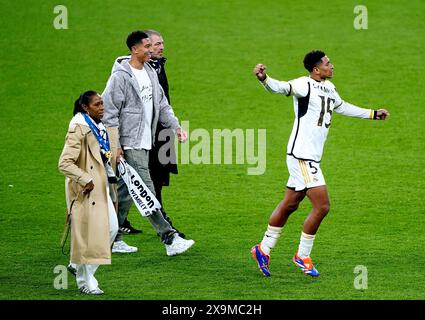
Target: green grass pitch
[374, 170]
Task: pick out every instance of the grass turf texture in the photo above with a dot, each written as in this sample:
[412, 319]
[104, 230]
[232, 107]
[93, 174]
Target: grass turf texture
[374, 170]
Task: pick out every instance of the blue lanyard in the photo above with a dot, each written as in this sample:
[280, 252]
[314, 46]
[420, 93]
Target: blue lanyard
[104, 142]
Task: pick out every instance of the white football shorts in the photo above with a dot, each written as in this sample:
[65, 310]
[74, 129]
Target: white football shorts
[304, 174]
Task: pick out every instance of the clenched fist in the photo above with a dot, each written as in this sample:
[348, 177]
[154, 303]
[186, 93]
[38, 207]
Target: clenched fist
[260, 71]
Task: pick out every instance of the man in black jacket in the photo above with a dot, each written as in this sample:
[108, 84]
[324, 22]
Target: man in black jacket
[160, 172]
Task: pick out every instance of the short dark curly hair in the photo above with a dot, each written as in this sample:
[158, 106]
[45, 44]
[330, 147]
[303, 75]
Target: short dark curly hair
[135, 37]
[312, 59]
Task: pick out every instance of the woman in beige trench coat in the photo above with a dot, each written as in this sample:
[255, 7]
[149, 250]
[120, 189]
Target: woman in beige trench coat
[85, 162]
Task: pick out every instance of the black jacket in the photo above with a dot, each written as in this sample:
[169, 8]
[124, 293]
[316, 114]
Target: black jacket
[158, 171]
[159, 66]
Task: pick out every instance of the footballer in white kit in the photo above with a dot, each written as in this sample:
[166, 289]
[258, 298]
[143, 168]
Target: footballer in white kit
[314, 102]
[315, 99]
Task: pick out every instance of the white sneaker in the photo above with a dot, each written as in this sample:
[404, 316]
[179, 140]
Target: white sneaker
[96, 291]
[122, 247]
[179, 245]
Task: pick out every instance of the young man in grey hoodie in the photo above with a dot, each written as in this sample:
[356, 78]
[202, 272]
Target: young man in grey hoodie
[134, 104]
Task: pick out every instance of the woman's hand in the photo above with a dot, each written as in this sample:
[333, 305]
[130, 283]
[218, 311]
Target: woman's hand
[88, 187]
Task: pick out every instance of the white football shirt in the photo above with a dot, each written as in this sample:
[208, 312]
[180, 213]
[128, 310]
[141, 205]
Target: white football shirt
[314, 102]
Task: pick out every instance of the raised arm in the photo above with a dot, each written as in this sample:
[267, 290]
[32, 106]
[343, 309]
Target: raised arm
[350, 110]
[270, 84]
[297, 87]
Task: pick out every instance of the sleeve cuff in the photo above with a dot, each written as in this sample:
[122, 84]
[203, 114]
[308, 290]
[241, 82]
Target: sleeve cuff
[290, 90]
[264, 82]
[84, 179]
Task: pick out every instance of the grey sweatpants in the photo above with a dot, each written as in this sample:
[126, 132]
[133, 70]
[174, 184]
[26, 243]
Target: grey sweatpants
[139, 160]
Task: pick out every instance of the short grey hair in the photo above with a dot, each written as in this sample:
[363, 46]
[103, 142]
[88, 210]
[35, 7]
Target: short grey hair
[151, 32]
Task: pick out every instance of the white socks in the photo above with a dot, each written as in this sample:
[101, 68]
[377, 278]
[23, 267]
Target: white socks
[270, 238]
[306, 244]
[273, 234]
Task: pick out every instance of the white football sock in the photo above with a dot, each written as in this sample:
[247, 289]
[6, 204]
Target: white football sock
[306, 244]
[270, 238]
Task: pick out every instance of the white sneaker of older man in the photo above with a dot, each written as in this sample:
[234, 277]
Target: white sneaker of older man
[178, 246]
[122, 247]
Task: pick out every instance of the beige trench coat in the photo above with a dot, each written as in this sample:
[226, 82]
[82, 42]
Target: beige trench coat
[81, 162]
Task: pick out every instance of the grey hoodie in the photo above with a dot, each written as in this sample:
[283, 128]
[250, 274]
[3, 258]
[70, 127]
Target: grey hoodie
[124, 108]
